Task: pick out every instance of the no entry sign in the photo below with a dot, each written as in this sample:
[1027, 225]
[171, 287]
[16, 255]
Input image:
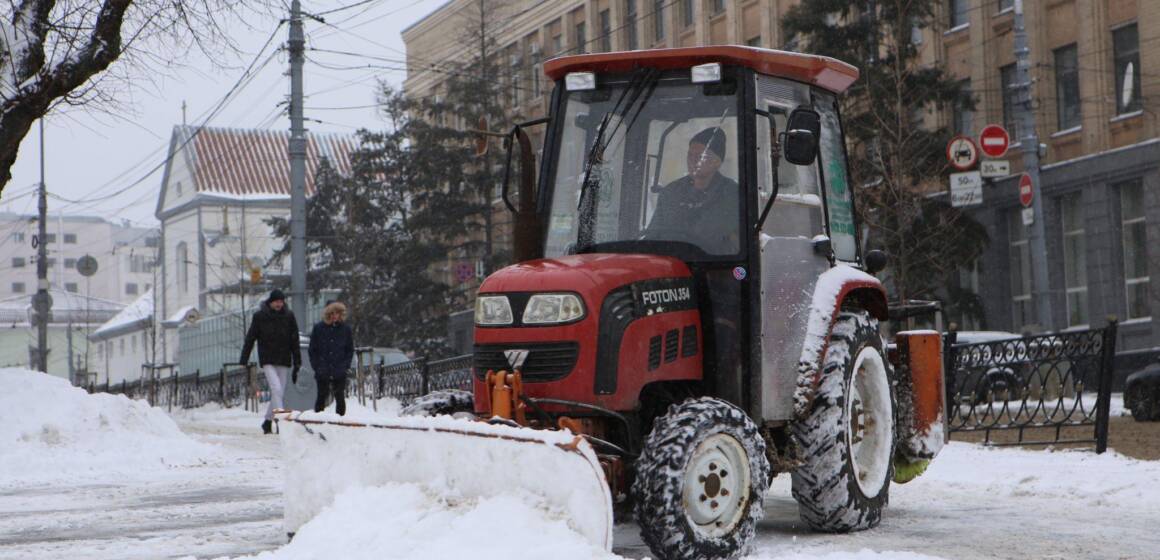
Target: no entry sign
[994, 140]
[1026, 191]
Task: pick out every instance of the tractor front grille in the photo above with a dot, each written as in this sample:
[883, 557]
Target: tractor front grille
[545, 362]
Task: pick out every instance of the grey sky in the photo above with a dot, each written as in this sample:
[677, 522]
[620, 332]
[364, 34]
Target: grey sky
[90, 154]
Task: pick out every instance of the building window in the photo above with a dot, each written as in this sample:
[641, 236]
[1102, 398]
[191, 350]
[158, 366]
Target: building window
[70, 238]
[18, 287]
[517, 79]
[659, 20]
[753, 41]
[50, 262]
[50, 238]
[1010, 100]
[1126, 53]
[70, 264]
[687, 13]
[18, 262]
[1074, 259]
[1004, 5]
[152, 242]
[536, 71]
[1020, 252]
[557, 44]
[958, 11]
[182, 266]
[18, 237]
[605, 31]
[71, 287]
[133, 343]
[963, 119]
[131, 289]
[969, 282]
[630, 24]
[581, 36]
[122, 345]
[1135, 249]
[716, 6]
[140, 263]
[1067, 87]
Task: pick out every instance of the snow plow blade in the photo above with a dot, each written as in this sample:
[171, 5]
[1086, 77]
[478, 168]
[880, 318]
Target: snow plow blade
[457, 459]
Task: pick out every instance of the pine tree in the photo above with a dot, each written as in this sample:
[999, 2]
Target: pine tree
[893, 151]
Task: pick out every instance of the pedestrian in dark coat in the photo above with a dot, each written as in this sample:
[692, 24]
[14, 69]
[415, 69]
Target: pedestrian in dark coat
[331, 349]
[275, 330]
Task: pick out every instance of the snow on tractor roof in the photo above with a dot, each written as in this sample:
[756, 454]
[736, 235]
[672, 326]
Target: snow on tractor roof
[821, 71]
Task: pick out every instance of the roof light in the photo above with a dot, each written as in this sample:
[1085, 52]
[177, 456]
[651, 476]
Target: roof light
[580, 81]
[707, 73]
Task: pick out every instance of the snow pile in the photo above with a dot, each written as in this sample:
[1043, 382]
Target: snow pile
[461, 461]
[53, 431]
[1085, 478]
[406, 521]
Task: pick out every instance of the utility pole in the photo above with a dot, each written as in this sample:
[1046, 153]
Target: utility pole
[1041, 295]
[296, 47]
[42, 304]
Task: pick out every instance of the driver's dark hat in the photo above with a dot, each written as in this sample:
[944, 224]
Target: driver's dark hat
[713, 138]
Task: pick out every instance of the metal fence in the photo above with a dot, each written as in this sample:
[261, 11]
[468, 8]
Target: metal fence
[1036, 390]
[408, 380]
[241, 385]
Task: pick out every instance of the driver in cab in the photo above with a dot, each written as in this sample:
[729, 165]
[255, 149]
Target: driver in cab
[701, 207]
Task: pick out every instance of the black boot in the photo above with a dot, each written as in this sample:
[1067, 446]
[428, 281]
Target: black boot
[266, 427]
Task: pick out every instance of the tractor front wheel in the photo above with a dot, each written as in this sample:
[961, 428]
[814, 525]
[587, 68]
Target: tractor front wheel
[700, 480]
[847, 438]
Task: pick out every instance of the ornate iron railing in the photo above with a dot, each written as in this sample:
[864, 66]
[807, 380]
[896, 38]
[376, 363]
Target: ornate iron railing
[1046, 389]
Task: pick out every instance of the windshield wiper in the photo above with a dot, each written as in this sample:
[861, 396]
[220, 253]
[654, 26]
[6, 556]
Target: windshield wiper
[590, 186]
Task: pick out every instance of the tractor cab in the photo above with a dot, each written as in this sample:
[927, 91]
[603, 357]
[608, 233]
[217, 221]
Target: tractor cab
[673, 154]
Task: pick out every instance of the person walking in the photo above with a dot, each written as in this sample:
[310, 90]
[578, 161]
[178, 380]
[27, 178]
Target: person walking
[331, 349]
[275, 330]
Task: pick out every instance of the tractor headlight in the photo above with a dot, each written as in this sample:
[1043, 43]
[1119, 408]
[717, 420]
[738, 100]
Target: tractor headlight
[553, 308]
[493, 310]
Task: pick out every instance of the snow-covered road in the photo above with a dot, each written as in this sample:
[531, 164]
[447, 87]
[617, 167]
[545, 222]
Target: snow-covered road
[232, 506]
[214, 489]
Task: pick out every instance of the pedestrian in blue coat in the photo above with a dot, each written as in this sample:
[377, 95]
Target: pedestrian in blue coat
[331, 349]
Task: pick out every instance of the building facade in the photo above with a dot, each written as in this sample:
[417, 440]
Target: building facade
[125, 255]
[1093, 64]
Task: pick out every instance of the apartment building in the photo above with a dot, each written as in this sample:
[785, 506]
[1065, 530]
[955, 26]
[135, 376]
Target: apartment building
[125, 255]
[1094, 64]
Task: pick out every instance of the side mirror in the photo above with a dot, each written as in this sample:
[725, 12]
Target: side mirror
[800, 141]
[874, 261]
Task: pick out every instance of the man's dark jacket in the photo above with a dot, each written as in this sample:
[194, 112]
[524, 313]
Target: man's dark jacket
[331, 349]
[276, 333]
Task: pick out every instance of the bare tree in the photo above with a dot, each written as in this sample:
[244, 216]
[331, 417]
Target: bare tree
[56, 52]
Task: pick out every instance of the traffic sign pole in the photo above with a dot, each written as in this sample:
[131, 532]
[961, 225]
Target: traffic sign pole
[1040, 293]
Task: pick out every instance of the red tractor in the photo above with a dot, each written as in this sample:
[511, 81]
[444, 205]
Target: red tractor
[692, 298]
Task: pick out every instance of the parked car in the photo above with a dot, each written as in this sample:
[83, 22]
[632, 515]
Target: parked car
[992, 380]
[1142, 394]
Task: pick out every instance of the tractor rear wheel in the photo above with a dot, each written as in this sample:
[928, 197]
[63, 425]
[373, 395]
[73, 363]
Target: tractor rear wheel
[847, 438]
[700, 480]
[441, 402]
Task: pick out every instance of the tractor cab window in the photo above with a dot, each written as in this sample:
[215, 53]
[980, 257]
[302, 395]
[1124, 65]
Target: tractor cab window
[839, 198]
[648, 164]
